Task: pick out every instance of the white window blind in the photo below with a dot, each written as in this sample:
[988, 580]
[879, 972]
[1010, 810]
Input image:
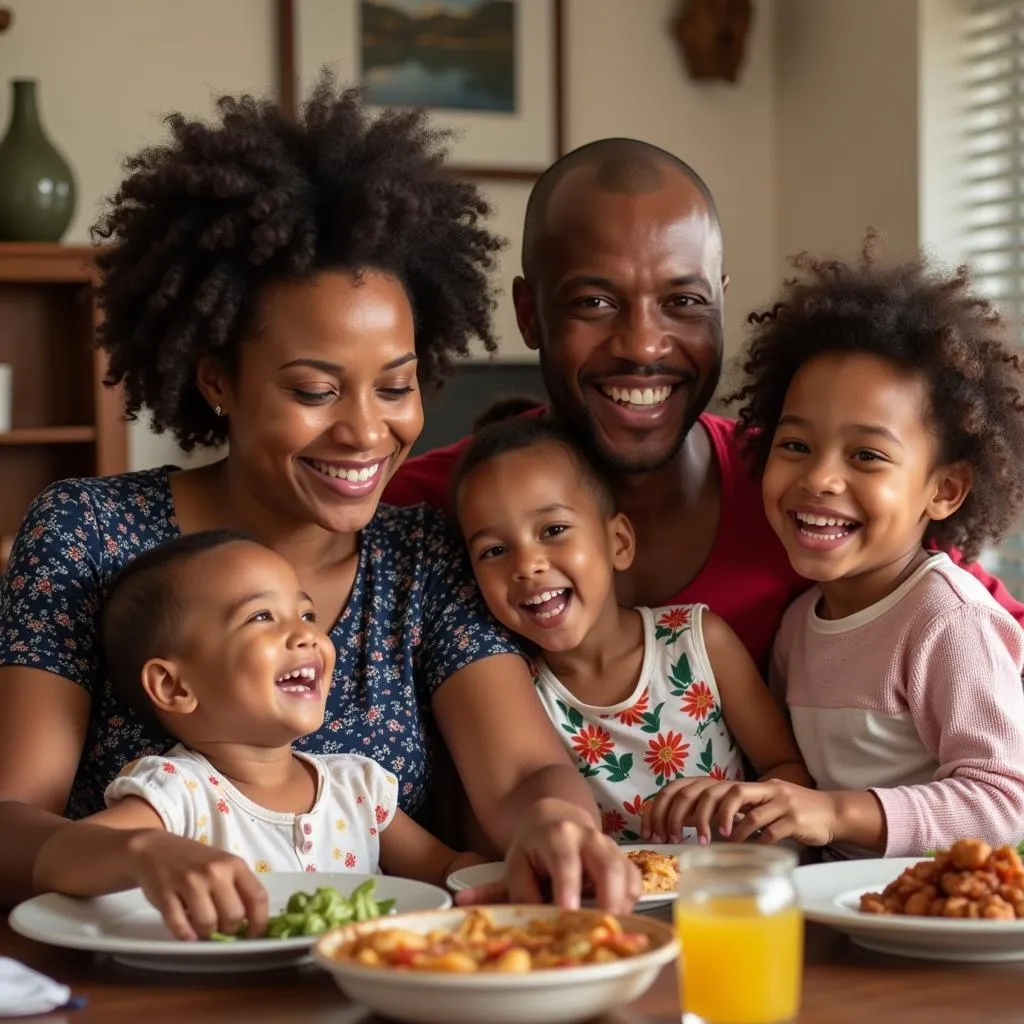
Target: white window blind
[994, 189]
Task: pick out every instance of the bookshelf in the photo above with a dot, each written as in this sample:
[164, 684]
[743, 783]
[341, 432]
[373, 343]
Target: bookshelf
[64, 421]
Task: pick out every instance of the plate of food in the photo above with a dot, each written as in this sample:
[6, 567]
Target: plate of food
[302, 907]
[658, 866]
[964, 904]
[500, 964]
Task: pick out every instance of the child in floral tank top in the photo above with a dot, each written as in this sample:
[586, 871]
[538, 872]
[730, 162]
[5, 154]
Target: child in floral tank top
[647, 700]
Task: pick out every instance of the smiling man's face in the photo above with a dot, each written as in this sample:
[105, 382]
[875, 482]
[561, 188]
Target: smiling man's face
[624, 303]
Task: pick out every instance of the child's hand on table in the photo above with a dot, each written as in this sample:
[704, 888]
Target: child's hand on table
[198, 889]
[773, 809]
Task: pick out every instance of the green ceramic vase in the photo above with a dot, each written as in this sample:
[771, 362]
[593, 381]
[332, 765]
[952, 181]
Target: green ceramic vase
[37, 186]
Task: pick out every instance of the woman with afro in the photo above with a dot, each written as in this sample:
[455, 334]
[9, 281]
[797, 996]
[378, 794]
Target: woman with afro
[884, 407]
[286, 288]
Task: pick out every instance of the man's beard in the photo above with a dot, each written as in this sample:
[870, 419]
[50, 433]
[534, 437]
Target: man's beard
[577, 416]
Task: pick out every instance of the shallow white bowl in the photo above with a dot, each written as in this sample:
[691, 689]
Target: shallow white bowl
[485, 874]
[562, 995]
[126, 926]
[830, 894]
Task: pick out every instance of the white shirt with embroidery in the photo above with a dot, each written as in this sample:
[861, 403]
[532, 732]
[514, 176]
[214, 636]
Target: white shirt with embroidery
[355, 799]
[670, 727]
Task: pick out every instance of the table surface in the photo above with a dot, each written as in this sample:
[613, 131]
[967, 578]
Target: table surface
[842, 985]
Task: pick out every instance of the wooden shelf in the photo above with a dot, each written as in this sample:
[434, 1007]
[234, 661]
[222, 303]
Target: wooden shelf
[67, 422]
[48, 435]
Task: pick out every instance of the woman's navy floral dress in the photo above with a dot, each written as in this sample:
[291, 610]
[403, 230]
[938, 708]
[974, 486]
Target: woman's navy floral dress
[414, 618]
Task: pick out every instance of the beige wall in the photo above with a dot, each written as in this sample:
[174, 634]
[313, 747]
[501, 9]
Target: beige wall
[869, 125]
[847, 95]
[110, 68]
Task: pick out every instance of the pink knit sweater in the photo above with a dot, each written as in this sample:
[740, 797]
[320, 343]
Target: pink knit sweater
[917, 698]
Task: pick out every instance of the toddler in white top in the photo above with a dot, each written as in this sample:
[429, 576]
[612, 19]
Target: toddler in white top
[650, 702]
[887, 413]
[212, 634]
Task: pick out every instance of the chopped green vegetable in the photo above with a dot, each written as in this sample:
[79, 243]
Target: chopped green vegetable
[317, 912]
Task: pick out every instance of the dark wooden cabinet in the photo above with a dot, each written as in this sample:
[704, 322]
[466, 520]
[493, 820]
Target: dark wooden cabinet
[64, 420]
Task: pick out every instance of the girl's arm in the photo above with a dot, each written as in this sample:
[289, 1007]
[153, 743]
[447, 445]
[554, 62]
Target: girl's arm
[197, 889]
[92, 857]
[965, 697]
[410, 851]
[755, 720]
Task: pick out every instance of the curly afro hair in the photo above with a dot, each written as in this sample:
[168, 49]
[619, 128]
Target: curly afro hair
[924, 321]
[200, 225]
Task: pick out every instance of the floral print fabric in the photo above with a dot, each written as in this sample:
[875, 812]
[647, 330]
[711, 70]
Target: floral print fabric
[414, 618]
[670, 727]
[355, 801]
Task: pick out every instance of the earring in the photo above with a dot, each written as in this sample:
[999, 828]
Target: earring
[218, 411]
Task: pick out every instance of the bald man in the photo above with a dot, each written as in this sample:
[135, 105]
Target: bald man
[621, 296]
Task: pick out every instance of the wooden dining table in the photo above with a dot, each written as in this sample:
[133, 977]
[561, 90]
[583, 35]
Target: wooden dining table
[842, 985]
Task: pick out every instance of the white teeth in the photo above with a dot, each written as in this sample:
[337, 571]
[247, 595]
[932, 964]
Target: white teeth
[548, 595]
[645, 398]
[356, 476]
[305, 676]
[811, 520]
[557, 610]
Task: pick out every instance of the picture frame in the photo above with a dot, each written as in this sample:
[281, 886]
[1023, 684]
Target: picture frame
[517, 142]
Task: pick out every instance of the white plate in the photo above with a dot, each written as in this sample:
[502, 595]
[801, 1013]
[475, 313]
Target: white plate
[830, 894]
[126, 926]
[484, 874]
[563, 995]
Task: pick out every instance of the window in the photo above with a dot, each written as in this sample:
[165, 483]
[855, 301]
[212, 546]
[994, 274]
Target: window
[995, 181]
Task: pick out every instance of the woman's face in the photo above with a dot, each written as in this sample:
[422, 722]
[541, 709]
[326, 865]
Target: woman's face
[325, 405]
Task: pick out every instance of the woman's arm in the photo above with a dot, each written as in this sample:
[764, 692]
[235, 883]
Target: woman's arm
[506, 751]
[524, 790]
[43, 721]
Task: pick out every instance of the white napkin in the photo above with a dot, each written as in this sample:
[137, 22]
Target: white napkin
[24, 991]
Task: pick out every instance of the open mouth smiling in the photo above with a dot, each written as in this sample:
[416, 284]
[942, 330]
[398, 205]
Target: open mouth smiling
[638, 398]
[352, 475]
[300, 682]
[823, 531]
[547, 604]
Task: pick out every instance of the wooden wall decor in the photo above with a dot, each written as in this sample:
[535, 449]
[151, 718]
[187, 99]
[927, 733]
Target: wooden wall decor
[712, 35]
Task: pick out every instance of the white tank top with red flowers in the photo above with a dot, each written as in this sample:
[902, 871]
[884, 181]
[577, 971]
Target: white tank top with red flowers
[668, 728]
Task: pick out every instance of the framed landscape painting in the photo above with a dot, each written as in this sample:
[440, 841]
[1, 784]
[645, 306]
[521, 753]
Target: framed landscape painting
[491, 70]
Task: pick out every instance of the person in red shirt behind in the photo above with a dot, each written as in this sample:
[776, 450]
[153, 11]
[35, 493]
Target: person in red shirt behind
[622, 296]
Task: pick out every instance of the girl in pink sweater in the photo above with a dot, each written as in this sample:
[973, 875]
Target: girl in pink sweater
[886, 412]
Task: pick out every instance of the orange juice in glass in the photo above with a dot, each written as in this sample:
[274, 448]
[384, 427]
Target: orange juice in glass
[741, 935]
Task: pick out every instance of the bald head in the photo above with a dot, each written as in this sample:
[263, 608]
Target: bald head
[622, 166]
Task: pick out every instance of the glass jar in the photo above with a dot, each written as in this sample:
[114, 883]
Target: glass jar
[741, 935]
